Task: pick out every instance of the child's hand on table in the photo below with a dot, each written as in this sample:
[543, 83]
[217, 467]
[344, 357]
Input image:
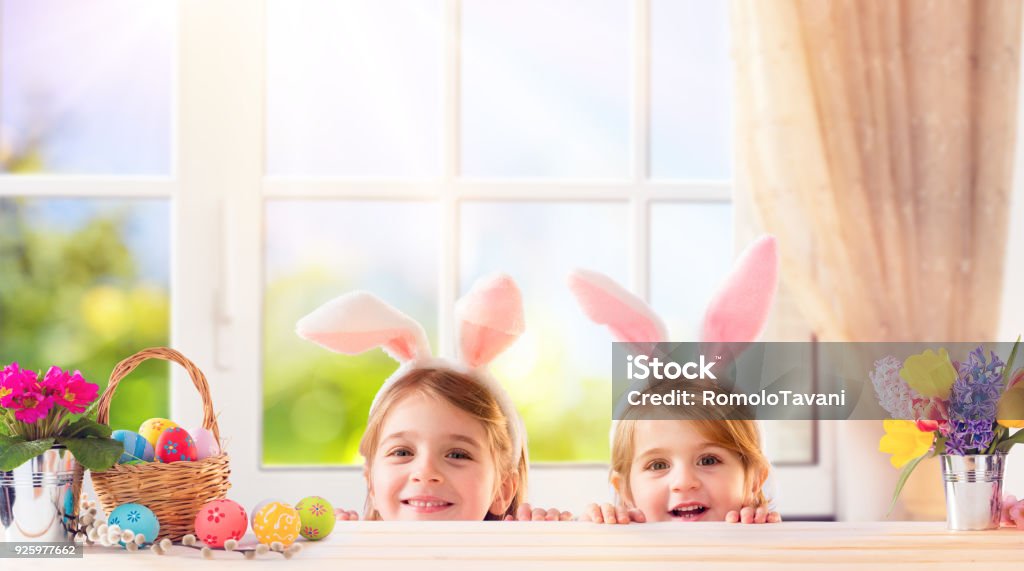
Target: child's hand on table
[748, 514]
[608, 513]
[1013, 512]
[345, 515]
[529, 513]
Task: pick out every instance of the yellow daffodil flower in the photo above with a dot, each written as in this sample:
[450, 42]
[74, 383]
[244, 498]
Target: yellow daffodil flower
[929, 374]
[1011, 405]
[904, 441]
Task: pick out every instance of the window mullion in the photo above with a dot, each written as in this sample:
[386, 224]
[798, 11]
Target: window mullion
[448, 276]
[639, 146]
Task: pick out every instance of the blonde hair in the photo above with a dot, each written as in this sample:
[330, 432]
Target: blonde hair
[468, 394]
[717, 424]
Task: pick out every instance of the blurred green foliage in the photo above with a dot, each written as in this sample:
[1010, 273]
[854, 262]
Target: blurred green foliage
[74, 299]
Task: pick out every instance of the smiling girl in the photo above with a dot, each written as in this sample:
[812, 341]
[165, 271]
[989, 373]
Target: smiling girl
[443, 440]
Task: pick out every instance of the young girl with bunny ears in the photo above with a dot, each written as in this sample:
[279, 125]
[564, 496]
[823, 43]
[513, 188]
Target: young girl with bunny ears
[443, 440]
[702, 466]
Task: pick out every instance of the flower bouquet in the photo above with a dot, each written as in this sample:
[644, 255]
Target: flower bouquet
[55, 411]
[961, 410]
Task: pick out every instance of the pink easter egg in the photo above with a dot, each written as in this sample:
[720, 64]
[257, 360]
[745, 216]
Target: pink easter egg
[206, 444]
[175, 445]
[219, 521]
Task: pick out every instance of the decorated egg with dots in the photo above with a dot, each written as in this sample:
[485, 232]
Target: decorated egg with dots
[219, 521]
[137, 518]
[277, 521]
[154, 427]
[206, 444]
[136, 447]
[259, 506]
[175, 445]
[317, 517]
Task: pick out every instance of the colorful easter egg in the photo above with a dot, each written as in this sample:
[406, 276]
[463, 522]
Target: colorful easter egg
[219, 521]
[317, 517]
[206, 444]
[175, 445]
[154, 427]
[259, 506]
[137, 518]
[277, 521]
[136, 447]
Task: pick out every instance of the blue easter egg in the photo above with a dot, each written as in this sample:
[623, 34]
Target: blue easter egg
[135, 446]
[137, 518]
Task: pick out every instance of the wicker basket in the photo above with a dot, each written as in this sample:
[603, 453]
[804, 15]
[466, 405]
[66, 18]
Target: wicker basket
[176, 491]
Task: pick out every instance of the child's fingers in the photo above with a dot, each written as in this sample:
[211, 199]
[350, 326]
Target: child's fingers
[524, 512]
[761, 515]
[538, 514]
[621, 515]
[732, 517]
[565, 516]
[774, 517]
[637, 515]
[747, 515]
[608, 511]
[592, 513]
[552, 515]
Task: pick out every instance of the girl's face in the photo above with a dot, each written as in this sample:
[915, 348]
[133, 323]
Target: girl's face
[677, 474]
[433, 462]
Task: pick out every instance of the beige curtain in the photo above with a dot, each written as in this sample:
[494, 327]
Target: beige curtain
[876, 139]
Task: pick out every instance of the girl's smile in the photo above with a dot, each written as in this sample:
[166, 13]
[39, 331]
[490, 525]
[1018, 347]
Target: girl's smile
[679, 475]
[433, 463]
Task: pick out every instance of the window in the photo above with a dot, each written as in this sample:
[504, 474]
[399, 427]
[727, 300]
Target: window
[258, 168]
[85, 260]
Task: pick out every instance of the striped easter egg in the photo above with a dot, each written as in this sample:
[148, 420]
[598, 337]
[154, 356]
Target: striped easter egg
[135, 446]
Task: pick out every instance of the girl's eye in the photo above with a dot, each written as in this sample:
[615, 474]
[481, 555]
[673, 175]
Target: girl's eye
[657, 465]
[708, 461]
[459, 455]
[402, 452]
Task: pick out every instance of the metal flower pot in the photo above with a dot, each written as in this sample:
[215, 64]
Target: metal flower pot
[974, 490]
[37, 500]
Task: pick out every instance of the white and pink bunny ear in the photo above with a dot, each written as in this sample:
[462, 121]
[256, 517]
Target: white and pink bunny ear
[738, 311]
[490, 318]
[605, 302]
[359, 321]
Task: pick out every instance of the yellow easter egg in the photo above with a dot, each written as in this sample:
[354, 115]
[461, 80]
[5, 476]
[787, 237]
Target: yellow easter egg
[276, 521]
[152, 428]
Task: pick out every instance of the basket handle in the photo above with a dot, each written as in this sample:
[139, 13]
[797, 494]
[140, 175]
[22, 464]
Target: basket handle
[128, 365]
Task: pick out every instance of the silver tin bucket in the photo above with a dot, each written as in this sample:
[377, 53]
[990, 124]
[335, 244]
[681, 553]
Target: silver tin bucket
[974, 490]
[37, 499]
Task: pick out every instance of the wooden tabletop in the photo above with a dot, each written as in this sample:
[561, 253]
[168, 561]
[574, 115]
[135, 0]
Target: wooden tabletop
[571, 545]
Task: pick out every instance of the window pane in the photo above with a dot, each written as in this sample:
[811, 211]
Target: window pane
[354, 87]
[545, 88]
[691, 253]
[558, 372]
[691, 90]
[85, 87]
[85, 284]
[315, 402]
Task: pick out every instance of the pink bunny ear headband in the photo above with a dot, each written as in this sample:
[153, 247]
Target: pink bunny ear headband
[737, 312]
[490, 319]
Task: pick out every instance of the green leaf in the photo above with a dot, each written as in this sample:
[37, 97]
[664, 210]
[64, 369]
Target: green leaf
[15, 454]
[9, 440]
[1008, 367]
[904, 475]
[1017, 438]
[96, 454]
[84, 428]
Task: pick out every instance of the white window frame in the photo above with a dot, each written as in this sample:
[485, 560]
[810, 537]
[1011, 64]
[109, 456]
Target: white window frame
[218, 189]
